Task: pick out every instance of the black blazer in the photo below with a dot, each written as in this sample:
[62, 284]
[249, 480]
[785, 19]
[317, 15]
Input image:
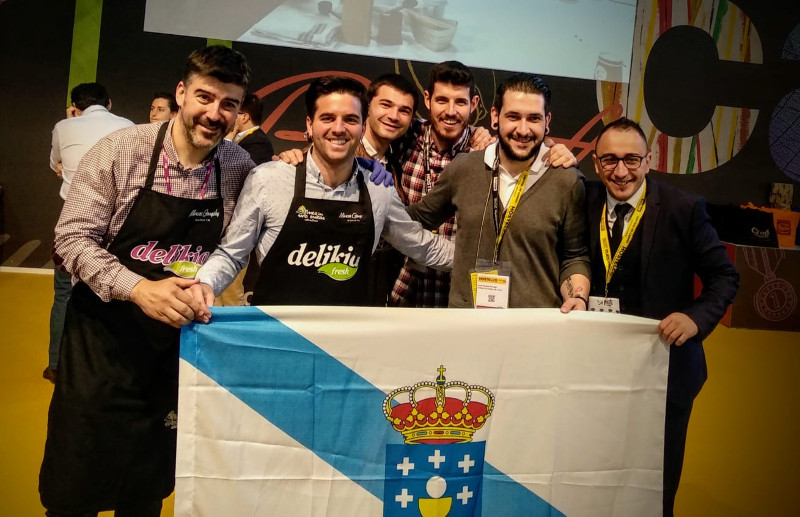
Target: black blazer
[258, 145]
[678, 242]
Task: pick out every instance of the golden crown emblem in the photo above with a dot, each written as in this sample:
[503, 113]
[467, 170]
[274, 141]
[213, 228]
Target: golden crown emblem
[440, 418]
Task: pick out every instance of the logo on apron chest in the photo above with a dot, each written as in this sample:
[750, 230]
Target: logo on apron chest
[310, 216]
[179, 259]
[203, 216]
[328, 259]
[350, 217]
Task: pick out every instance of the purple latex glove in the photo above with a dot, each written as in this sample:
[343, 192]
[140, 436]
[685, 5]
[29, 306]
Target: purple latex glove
[378, 173]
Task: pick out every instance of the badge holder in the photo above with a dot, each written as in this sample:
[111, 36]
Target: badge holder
[491, 284]
[601, 304]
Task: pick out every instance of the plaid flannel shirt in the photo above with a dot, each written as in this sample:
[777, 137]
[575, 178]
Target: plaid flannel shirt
[422, 163]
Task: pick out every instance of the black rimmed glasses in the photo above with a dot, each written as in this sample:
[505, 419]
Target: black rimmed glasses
[609, 161]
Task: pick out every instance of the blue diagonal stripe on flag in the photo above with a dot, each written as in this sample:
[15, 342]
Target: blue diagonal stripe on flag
[290, 382]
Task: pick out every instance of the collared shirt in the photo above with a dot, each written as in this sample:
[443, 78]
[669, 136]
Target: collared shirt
[72, 137]
[611, 203]
[266, 200]
[369, 149]
[241, 134]
[507, 182]
[430, 288]
[105, 187]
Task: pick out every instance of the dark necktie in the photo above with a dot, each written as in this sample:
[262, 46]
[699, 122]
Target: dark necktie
[621, 210]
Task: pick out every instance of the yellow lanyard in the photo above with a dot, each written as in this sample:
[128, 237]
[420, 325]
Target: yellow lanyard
[605, 247]
[519, 188]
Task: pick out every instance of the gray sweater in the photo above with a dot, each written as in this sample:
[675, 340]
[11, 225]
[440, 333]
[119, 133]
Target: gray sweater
[545, 242]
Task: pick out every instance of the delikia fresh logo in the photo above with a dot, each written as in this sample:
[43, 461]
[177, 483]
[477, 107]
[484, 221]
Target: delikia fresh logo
[309, 215]
[328, 259]
[179, 259]
[439, 469]
[183, 268]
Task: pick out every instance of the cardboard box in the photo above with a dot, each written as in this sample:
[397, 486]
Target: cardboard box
[769, 288]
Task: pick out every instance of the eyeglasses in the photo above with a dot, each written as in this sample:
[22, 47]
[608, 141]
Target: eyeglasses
[609, 161]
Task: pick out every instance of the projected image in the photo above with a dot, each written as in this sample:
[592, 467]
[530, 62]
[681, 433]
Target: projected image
[572, 38]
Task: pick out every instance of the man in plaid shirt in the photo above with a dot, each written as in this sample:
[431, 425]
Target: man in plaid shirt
[428, 147]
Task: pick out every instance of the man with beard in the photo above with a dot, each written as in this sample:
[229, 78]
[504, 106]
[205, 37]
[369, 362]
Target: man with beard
[521, 238]
[147, 206]
[428, 147]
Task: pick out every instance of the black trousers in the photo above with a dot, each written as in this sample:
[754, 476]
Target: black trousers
[675, 426]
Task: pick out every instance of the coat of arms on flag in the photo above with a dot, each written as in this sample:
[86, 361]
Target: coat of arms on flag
[338, 411]
[438, 471]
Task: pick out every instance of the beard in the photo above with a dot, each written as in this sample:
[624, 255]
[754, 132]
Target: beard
[448, 134]
[190, 126]
[513, 154]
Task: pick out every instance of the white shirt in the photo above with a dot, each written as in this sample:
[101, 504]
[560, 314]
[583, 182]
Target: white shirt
[241, 134]
[368, 147]
[72, 137]
[507, 182]
[611, 203]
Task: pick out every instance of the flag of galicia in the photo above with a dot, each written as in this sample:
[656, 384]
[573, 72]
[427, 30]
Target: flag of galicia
[433, 479]
[335, 412]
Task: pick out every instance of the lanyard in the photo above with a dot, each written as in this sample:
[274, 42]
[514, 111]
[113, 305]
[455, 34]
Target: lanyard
[605, 247]
[166, 175]
[501, 227]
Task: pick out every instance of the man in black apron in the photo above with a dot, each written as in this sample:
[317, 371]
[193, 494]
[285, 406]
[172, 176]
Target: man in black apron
[147, 207]
[316, 225]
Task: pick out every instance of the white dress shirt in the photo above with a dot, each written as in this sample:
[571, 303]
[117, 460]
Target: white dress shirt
[72, 137]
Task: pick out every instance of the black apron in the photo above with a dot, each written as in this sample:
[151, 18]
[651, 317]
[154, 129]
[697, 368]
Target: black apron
[322, 254]
[112, 423]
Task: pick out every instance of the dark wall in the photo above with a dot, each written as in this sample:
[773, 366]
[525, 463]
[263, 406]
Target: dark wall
[133, 64]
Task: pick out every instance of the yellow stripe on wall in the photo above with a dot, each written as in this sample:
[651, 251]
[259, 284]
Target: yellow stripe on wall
[85, 43]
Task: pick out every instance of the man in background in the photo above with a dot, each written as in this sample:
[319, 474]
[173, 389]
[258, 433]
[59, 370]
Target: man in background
[163, 107]
[428, 148]
[88, 120]
[392, 101]
[249, 134]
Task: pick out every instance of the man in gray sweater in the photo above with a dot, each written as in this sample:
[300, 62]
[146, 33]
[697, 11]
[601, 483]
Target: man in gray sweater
[521, 240]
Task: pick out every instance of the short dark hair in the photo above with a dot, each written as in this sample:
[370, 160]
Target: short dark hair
[252, 106]
[222, 63]
[329, 84]
[524, 83]
[396, 81]
[622, 124]
[451, 72]
[170, 98]
[89, 94]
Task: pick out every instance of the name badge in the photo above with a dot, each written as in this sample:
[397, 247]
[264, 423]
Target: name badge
[600, 304]
[491, 291]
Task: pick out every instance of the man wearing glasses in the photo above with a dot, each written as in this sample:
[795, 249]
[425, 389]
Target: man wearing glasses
[647, 241]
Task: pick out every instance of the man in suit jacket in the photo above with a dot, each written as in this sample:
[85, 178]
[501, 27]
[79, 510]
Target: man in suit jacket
[647, 242]
[249, 135]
